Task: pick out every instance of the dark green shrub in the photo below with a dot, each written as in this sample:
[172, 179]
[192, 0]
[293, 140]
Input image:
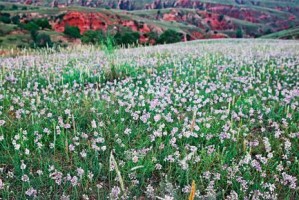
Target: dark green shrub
[31, 26]
[5, 18]
[2, 7]
[15, 19]
[72, 31]
[126, 38]
[34, 34]
[268, 31]
[169, 36]
[24, 8]
[153, 36]
[92, 37]
[2, 32]
[239, 33]
[43, 40]
[14, 7]
[43, 23]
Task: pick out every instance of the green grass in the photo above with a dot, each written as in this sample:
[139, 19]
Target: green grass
[6, 28]
[292, 33]
[16, 40]
[69, 111]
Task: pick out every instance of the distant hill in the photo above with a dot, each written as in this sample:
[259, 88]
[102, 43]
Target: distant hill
[160, 4]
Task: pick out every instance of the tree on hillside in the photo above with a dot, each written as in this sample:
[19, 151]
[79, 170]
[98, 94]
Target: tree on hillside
[72, 31]
[15, 19]
[5, 18]
[153, 36]
[31, 26]
[92, 37]
[126, 38]
[239, 33]
[43, 23]
[169, 36]
[43, 40]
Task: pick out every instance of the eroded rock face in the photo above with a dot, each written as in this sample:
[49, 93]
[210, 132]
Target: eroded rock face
[100, 21]
[84, 21]
[201, 19]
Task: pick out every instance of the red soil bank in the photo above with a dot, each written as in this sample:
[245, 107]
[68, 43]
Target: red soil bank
[84, 21]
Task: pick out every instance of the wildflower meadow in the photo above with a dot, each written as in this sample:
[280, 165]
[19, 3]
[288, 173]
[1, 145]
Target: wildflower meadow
[215, 119]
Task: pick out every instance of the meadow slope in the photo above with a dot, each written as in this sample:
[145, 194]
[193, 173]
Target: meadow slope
[144, 123]
[193, 20]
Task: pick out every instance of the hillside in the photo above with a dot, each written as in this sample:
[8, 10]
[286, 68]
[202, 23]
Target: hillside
[292, 33]
[211, 119]
[192, 19]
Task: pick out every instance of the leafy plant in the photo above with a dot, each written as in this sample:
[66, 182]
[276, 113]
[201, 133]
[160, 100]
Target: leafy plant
[239, 33]
[31, 26]
[43, 23]
[15, 19]
[72, 31]
[14, 7]
[92, 37]
[43, 40]
[5, 18]
[126, 38]
[169, 36]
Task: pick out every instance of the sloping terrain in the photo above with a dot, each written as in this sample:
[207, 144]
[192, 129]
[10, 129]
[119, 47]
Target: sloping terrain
[207, 119]
[193, 19]
[292, 33]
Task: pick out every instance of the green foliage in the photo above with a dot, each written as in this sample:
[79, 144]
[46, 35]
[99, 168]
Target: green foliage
[268, 31]
[126, 38]
[239, 33]
[33, 35]
[169, 36]
[31, 26]
[5, 18]
[14, 7]
[153, 36]
[2, 7]
[72, 31]
[108, 45]
[6, 29]
[92, 37]
[15, 19]
[36, 25]
[43, 40]
[43, 23]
